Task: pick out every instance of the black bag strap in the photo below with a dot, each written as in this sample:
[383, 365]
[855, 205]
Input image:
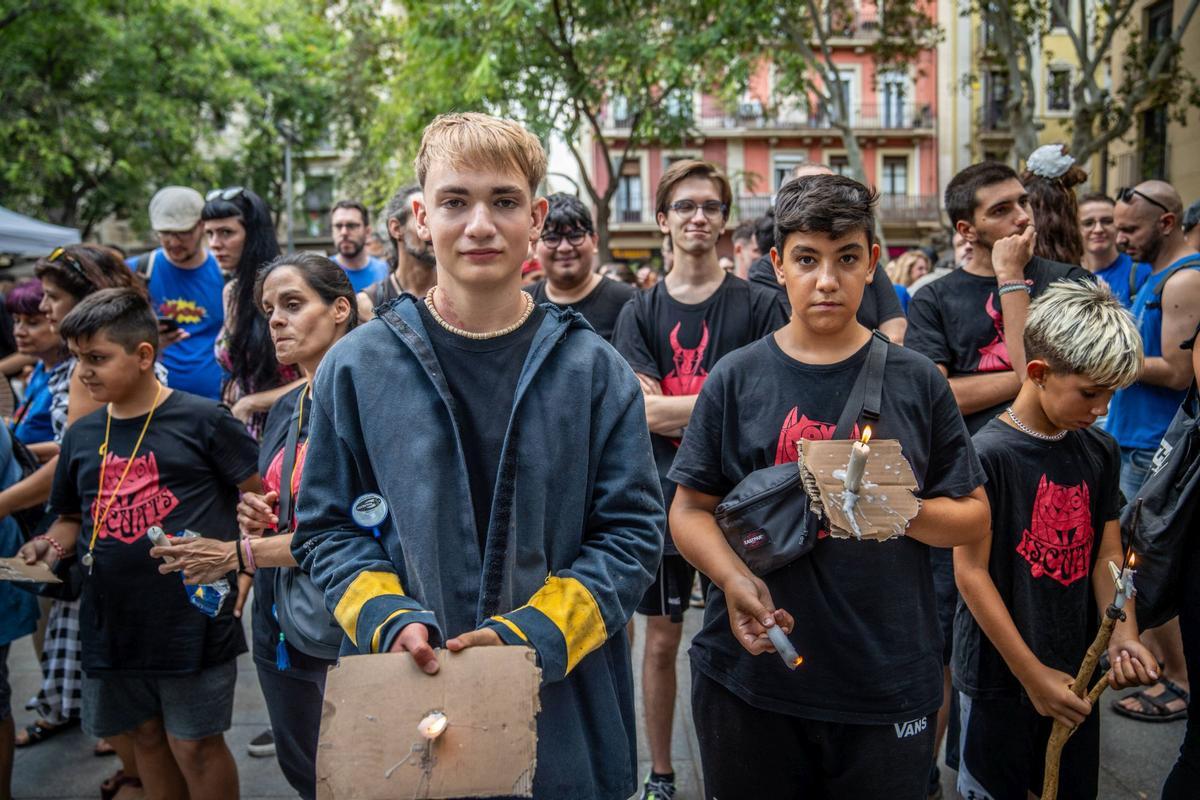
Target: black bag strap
[1187, 263]
[287, 512]
[866, 396]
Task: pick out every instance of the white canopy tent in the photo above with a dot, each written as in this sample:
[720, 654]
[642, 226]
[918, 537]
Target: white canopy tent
[25, 236]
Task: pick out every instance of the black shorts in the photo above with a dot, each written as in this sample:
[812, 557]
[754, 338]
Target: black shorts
[748, 752]
[671, 591]
[1003, 751]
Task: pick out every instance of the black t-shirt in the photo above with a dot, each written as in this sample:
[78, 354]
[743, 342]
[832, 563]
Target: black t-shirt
[279, 423]
[482, 375]
[866, 617]
[133, 619]
[678, 344]
[1050, 502]
[956, 322]
[600, 307]
[879, 301]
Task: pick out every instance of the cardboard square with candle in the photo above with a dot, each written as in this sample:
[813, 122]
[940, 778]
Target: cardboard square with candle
[389, 730]
[864, 489]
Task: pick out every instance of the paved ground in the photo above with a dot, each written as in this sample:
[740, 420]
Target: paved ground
[1135, 757]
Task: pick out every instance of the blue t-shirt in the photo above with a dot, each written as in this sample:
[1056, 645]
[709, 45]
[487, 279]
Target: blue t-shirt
[903, 296]
[31, 420]
[375, 270]
[1116, 275]
[1140, 414]
[191, 297]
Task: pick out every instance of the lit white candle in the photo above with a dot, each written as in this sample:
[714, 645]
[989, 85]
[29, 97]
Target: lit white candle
[783, 646]
[432, 726]
[859, 453]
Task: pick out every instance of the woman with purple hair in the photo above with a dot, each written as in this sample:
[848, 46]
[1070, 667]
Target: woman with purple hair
[35, 337]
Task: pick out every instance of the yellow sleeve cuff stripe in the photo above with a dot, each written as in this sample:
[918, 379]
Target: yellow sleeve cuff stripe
[512, 627]
[570, 606]
[365, 586]
[378, 631]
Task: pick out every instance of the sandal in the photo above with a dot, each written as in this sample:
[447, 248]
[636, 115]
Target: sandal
[1154, 708]
[119, 780]
[103, 749]
[41, 730]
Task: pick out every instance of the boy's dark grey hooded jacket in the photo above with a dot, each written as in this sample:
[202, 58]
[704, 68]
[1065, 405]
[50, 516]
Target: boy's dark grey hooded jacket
[574, 538]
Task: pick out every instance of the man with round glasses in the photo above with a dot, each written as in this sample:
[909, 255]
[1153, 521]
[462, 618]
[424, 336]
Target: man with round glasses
[672, 335]
[185, 283]
[567, 252]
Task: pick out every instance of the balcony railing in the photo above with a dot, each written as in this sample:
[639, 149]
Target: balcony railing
[863, 116]
[1149, 162]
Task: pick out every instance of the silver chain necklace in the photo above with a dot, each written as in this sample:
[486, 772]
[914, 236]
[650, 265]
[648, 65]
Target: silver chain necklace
[1053, 437]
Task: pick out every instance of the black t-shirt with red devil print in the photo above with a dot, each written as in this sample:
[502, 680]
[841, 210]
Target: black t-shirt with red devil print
[1050, 502]
[866, 620]
[133, 619]
[678, 344]
[956, 322]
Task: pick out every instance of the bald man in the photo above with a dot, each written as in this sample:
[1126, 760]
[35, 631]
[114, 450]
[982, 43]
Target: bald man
[1167, 308]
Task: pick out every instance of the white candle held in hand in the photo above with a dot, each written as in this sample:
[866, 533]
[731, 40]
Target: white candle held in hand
[857, 465]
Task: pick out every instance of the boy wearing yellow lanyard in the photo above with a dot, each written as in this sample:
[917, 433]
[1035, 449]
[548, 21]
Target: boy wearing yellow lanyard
[154, 666]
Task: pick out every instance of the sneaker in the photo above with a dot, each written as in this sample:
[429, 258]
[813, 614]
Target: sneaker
[263, 745]
[658, 788]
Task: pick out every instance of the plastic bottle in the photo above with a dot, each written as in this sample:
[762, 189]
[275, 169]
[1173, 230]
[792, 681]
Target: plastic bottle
[208, 598]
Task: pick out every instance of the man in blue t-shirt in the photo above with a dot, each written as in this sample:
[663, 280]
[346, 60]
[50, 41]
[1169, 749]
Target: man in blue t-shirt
[185, 286]
[351, 223]
[1100, 254]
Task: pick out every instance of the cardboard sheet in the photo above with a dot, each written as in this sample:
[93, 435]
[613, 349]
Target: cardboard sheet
[15, 569]
[370, 748]
[886, 502]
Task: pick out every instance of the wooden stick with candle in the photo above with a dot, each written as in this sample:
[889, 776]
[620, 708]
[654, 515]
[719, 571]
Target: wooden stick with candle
[1060, 733]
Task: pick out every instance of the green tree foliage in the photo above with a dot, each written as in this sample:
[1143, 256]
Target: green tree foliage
[557, 65]
[103, 101]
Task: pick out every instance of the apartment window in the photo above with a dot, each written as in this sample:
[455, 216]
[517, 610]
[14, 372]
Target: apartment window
[678, 105]
[1058, 89]
[840, 165]
[995, 98]
[1152, 135]
[893, 96]
[318, 199]
[783, 169]
[629, 192]
[895, 175]
[620, 111]
[1158, 23]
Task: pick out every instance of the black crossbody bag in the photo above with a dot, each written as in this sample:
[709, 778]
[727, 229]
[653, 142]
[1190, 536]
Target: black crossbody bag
[766, 518]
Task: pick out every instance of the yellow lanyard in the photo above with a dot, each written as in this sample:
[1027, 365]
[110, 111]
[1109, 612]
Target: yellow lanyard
[97, 518]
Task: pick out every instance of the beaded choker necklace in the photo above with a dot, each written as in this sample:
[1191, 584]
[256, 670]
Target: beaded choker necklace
[529, 304]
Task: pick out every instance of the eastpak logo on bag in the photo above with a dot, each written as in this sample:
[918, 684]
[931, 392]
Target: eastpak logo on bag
[1160, 457]
[911, 728]
[755, 539]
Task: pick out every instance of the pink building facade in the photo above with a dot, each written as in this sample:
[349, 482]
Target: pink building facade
[765, 136]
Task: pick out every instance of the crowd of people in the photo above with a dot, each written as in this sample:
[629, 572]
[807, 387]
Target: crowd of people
[554, 439]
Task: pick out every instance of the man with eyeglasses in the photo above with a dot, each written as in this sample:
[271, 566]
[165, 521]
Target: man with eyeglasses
[567, 252]
[351, 223]
[185, 283]
[1101, 257]
[672, 336]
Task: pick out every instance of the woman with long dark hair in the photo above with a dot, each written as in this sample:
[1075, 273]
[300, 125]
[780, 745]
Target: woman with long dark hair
[1050, 177]
[242, 238]
[308, 304]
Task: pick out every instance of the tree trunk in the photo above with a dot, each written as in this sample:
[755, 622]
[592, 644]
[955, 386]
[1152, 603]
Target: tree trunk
[859, 173]
[603, 210]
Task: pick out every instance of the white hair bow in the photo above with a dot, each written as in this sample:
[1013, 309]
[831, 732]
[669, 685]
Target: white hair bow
[1049, 161]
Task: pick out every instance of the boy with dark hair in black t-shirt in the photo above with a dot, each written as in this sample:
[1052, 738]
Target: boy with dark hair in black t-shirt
[672, 336]
[1032, 588]
[854, 719]
[155, 666]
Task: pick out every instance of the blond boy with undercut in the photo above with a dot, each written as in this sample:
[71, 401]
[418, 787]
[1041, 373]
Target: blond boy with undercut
[524, 505]
[1034, 587]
